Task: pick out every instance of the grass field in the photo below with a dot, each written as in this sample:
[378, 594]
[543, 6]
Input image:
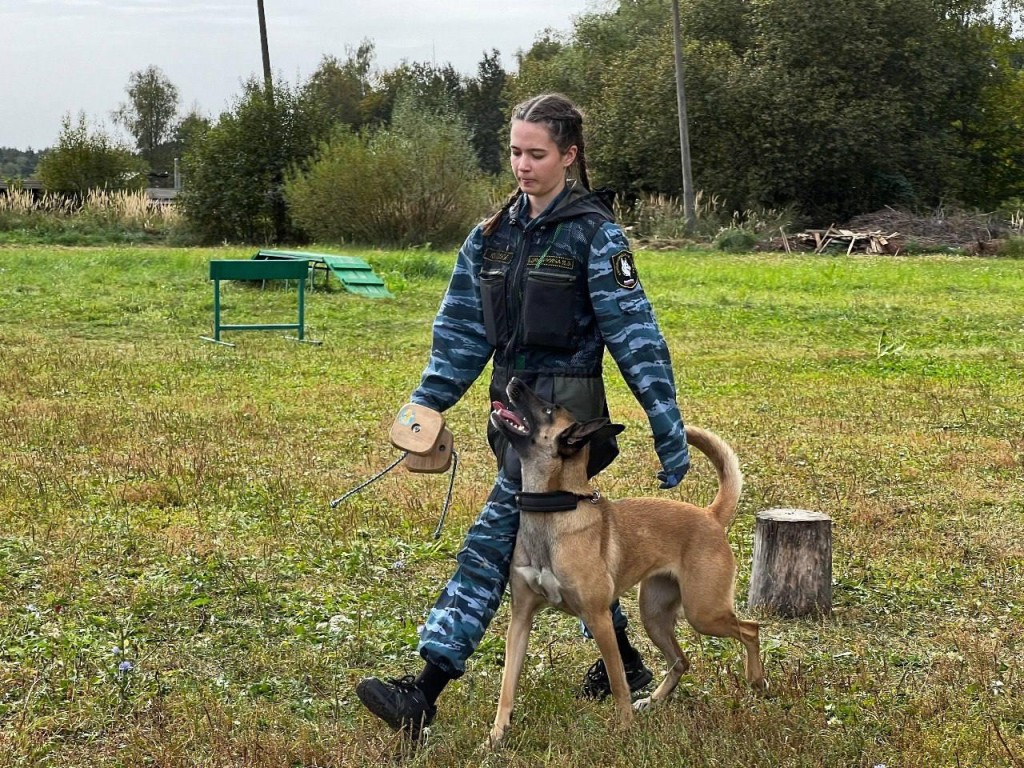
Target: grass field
[176, 591]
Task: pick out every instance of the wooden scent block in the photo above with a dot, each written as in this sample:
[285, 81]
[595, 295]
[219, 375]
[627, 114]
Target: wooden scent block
[792, 569]
[416, 429]
[438, 460]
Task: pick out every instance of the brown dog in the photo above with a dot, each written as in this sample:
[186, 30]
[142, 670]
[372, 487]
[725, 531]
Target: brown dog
[582, 558]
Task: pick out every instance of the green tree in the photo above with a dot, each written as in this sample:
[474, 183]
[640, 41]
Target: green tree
[486, 112]
[437, 89]
[992, 132]
[990, 128]
[413, 182]
[19, 163]
[341, 90]
[187, 131]
[190, 129]
[150, 115]
[835, 108]
[88, 158]
[623, 137]
[232, 171]
[550, 64]
[840, 132]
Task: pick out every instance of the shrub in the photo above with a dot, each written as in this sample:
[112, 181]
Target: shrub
[414, 183]
[86, 158]
[654, 218]
[414, 264]
[234, 169]
[735, 240]
[1012, 211]
[1013, 248]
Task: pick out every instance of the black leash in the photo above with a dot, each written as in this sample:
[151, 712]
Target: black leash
[448, 498]
[391, 466]
[371, 481]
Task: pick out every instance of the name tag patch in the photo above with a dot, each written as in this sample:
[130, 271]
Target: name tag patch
[502, 257]
[555, 262]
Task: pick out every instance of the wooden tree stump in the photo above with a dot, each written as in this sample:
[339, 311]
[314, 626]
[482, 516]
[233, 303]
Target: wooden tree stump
[792, 570]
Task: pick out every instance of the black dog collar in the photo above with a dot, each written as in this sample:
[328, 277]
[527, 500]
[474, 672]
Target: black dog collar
[554, 501]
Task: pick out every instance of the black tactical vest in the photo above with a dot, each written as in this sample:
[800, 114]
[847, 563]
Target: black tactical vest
[538, 315]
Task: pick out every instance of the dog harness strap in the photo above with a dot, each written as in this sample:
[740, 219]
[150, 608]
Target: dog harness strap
[554, 501]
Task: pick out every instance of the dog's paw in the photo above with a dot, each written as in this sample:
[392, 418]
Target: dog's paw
[495, 739]
[643, 704]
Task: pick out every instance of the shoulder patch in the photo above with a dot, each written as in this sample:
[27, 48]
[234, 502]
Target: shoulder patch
[625, 270]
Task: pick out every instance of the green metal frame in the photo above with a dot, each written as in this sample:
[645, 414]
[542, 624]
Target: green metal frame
[355, 274]
[236, 269]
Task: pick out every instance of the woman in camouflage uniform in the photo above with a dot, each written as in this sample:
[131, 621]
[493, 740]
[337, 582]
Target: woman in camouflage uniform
[543, 287]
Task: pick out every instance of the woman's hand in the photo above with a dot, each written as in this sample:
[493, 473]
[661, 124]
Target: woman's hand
[674, 478]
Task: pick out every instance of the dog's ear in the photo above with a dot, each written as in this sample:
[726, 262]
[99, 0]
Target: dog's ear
[574, 437]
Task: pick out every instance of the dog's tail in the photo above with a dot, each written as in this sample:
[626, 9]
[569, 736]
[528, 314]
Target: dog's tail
[730, 479]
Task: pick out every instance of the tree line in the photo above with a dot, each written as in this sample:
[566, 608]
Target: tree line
[18, 163]
[826, 109]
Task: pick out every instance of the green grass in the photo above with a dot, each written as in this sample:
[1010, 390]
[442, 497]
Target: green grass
[164, 502]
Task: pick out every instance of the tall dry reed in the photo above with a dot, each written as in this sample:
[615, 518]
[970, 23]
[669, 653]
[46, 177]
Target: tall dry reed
[128, 210]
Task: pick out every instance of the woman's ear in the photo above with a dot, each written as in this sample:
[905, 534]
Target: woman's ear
[570, 156]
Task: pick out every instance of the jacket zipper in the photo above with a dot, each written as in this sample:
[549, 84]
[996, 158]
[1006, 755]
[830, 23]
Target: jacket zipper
[515, 300]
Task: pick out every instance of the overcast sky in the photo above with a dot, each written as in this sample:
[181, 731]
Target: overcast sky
[63, 56]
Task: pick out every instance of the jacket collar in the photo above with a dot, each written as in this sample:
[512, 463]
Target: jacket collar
[573, 201]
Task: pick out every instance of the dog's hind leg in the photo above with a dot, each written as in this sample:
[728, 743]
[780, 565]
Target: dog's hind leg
[708, 605]
[659, 605]
[525, 604]
[747, 632]
[750, 636]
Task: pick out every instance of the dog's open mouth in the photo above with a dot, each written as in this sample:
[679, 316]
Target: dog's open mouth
[509, 418]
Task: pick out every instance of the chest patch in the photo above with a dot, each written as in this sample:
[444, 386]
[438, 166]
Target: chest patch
[625, 270]
[502, 257]
[555, 262]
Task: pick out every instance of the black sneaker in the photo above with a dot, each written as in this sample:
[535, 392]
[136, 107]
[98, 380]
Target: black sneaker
[399, 703]
[597, 686]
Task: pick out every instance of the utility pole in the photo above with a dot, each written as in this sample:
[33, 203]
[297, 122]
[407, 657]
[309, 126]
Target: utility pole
[276, 193]
[689, 197]
[267, 81]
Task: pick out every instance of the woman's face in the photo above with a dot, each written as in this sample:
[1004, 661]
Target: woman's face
[536, 162]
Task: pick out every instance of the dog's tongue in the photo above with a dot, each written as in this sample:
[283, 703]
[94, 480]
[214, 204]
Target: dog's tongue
[507, 415]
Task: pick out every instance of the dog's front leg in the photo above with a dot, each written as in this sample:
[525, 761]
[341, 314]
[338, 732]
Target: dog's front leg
[600, 626]
[525, 604]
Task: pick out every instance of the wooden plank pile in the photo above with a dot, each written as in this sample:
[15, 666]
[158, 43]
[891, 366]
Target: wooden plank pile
[820, 240]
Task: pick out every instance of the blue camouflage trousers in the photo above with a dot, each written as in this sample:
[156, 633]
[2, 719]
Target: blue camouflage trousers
[465, 607]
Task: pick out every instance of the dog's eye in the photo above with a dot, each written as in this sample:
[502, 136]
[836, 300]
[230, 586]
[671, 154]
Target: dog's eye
[548, 411]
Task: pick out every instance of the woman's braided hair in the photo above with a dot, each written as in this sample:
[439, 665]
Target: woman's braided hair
[564, 122]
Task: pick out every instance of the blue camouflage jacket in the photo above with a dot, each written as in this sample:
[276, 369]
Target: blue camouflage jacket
[544, 297]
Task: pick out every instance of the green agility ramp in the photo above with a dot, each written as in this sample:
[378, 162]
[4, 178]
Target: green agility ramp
[355, 274]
